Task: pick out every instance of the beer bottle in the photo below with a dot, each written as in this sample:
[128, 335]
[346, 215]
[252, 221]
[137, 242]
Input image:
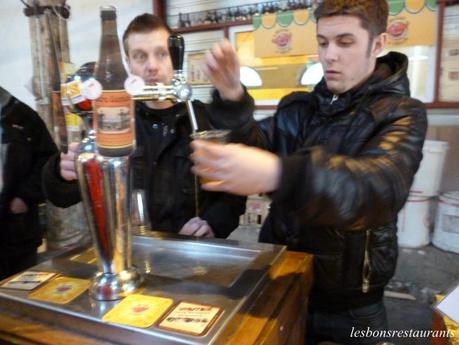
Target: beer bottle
[113, 110]
[181, 22]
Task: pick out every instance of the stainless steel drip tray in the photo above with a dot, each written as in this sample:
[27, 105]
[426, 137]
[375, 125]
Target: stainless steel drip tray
[216, 262]
[223, 273]
[209, 263]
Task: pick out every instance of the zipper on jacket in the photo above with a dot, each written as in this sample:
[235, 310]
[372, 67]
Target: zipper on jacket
[366, 271]
[334, 98]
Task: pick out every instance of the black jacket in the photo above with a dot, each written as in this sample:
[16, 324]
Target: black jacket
[28, 146]
[162, 168]
[347, 167]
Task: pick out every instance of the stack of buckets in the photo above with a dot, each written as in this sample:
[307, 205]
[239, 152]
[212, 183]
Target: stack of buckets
[415, 219]
[446, 234]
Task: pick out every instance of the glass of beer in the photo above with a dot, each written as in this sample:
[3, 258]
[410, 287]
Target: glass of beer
[215, 135]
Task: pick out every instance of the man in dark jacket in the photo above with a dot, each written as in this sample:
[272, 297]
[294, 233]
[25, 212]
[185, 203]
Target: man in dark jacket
[161, 162]
[342, 161]
[25, 146]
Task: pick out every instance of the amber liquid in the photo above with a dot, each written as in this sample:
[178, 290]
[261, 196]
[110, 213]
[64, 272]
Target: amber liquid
[216, 136]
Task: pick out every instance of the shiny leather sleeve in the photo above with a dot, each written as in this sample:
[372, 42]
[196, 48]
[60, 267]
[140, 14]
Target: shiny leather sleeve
[236, 116]
[366, 188]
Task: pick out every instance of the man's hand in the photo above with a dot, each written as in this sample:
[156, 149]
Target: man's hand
[67, 164]
[18, 206]
[197, 227]
[222, 68]
[236, 168]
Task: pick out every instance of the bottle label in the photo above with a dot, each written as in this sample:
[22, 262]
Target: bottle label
[114, 120]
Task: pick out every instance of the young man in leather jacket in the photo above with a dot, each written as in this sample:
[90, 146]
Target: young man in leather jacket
[339, 162]
[161, 163]
[25, 146]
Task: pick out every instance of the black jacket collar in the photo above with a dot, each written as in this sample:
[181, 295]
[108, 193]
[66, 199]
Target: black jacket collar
[389, 76]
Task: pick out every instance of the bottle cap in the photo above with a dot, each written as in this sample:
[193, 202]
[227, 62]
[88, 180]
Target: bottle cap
[108, 12]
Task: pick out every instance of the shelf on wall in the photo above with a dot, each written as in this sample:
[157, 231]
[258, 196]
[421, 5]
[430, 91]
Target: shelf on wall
[213, 26]
[442, 105]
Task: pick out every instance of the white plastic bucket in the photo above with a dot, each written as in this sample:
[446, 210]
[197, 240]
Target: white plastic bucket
[446, 233]
[428, 178]
[414, 222]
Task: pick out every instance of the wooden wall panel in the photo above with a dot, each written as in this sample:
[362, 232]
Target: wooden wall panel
[450, 134]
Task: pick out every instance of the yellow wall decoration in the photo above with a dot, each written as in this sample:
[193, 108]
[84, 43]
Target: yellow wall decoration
[411, 22]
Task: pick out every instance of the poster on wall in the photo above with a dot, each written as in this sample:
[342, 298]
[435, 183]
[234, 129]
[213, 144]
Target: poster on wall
[411, 23]
[449, 75]
[195, 74]
[285, 34]
[288, 33]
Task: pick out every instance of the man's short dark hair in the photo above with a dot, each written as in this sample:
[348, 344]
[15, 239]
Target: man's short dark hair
[373, 14]
[144, 23]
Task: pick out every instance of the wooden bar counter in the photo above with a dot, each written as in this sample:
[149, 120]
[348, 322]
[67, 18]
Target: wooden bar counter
[276, 314]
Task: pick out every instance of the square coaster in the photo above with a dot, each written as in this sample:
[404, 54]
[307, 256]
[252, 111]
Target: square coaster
[86, 257]
[138, 310]
[191, 318]
[61, 290]
[27, 280]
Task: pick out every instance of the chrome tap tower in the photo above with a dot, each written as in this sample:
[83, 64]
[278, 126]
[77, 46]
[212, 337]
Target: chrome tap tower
[105, 190]
[105, 185]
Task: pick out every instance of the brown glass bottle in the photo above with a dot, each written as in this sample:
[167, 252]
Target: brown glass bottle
[113, 110]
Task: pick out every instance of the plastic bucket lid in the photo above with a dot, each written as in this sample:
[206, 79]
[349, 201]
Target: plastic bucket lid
[450, 198]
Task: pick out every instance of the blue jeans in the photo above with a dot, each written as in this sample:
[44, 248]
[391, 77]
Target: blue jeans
[338, 327]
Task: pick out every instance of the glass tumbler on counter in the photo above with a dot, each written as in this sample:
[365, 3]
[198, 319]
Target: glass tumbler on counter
[139, 214]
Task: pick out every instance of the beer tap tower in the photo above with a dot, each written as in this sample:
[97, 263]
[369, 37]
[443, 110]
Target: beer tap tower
[106, 193]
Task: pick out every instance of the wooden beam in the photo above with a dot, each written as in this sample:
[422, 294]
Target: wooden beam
[441, 14]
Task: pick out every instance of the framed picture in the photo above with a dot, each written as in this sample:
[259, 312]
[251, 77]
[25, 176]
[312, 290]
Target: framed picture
[195, 75]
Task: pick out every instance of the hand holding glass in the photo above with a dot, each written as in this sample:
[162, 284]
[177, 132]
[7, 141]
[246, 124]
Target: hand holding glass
[217, 136]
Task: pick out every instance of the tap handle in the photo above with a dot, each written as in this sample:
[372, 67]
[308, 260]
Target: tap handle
[177, 51]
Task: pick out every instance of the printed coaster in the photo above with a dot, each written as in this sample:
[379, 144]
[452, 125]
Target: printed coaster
[61, 290]
[138, 310]
[27, 280]
[191, 318]
[86, 257]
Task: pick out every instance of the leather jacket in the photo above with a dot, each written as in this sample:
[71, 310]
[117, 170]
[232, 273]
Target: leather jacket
[348, 162]
[26, 146]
